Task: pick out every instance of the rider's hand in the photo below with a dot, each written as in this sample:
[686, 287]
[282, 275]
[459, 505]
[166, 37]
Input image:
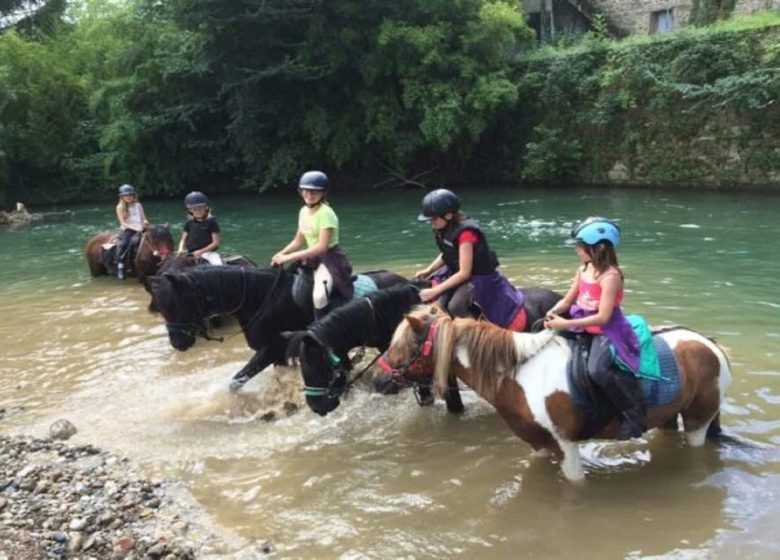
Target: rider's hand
[555, 322]
[278, 259]
[428, 295]
[421, 274]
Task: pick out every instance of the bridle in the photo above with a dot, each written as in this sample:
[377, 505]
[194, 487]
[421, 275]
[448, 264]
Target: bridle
[339, 382]
[201, 328]
[420, 364]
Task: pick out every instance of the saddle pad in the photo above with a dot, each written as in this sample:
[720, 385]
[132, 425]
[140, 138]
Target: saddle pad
[363, 285]
[654, 393]
[664, 391]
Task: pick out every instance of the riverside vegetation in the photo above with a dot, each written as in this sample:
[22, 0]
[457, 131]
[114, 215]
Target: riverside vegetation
[183, 94]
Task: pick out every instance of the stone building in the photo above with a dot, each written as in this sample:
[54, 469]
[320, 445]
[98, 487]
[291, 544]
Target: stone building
[624, 17]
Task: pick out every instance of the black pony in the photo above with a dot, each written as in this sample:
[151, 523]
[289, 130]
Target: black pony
[322, 348]
[259, 298]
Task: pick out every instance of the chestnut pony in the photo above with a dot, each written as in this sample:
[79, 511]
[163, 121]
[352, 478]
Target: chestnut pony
[156, 243]
[524, 376]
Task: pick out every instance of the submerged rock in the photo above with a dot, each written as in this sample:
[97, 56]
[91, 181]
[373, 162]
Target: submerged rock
[62, 429]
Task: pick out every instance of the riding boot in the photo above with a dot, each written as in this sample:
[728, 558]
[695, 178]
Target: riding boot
[625, 394]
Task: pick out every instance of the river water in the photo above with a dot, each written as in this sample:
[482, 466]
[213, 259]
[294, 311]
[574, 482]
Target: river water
[382, 477]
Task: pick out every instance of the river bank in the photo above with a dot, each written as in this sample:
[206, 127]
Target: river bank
[76, 501]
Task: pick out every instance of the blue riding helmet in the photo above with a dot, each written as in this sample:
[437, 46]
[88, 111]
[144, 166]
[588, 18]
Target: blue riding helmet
[126, 190]
[313, 181]
[195, 199]
[594, 229]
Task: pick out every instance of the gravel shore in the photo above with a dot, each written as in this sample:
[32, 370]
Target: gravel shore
[76, 501]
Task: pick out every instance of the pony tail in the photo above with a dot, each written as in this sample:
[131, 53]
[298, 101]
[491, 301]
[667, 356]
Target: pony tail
[442, 354]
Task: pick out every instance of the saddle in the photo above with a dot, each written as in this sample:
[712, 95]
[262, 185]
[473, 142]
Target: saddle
[303, 286]
[590, 399]
[108, 252]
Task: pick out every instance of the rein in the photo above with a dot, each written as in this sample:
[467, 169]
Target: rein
[331, 390]
[267, 301]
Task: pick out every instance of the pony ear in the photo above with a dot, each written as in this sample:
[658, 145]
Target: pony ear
[416, 324]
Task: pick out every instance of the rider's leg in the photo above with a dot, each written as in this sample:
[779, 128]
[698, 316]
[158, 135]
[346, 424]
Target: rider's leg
[323, 288]
[132, 250]
[622, 389]
[459, 304]
[123, 244]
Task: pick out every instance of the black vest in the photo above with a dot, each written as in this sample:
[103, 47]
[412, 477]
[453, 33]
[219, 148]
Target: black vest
[485, 260]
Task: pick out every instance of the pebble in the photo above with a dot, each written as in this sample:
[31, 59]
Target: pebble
[64, 501]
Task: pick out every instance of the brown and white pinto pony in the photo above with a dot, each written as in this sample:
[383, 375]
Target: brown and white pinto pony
[524, 376]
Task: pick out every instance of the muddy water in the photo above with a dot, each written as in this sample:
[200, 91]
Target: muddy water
[382, 477]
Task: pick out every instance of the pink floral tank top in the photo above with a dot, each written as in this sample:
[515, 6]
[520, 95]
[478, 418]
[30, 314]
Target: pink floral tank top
[588, 298]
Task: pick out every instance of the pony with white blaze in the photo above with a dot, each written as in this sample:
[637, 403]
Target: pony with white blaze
[525, 377]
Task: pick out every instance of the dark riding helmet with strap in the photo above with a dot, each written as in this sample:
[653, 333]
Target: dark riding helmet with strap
[438, 203]
[196, 199]
[313, 181]
[126, 190]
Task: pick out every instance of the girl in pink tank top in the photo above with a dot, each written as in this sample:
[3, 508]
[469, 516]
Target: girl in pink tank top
[593, 302]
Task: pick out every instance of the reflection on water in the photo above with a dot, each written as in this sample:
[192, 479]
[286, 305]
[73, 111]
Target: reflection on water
[382, 477]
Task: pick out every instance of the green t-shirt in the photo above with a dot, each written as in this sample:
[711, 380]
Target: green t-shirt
[310, 225]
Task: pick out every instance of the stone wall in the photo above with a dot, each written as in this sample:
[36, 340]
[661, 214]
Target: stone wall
[636, 16]
[750, 6]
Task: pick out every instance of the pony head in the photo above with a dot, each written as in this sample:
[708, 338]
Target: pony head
[162, 239]
[421, 349]
[175, 297]
[324, 373]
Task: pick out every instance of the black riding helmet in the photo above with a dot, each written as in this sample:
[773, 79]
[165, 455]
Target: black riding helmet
[195, 199]
[313, 181]
[437, 203]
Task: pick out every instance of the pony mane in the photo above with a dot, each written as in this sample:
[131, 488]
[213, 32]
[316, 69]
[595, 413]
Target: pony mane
[207, 288]
[370, 320]
[493, 353]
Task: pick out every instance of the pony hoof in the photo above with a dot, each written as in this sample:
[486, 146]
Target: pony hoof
[237, 383]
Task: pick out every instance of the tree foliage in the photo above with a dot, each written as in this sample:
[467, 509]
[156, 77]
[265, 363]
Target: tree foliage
[696, 108]
[209, 94]
[705, 12]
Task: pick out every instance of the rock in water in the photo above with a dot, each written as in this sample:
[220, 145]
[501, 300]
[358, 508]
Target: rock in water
[62, 429]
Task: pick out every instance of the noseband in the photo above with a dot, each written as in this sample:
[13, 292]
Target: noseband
[419, 365]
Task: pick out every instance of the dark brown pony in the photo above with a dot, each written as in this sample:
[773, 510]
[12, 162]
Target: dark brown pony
[524, 376]
[156, 242]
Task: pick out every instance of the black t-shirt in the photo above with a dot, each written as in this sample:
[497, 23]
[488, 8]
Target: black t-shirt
[199, 233]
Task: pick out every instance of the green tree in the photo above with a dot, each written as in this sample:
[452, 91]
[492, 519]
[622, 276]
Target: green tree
[357, 82]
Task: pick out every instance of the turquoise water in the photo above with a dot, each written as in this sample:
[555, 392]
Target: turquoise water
[383, 477]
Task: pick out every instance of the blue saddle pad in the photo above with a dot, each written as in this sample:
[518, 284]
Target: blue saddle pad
[655, 393]
[363, 285]
[664, 391]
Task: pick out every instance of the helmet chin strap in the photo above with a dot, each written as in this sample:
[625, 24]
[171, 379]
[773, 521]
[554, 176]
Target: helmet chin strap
[448, 222]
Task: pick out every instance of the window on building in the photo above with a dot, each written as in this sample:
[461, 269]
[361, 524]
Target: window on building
[661, 21]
